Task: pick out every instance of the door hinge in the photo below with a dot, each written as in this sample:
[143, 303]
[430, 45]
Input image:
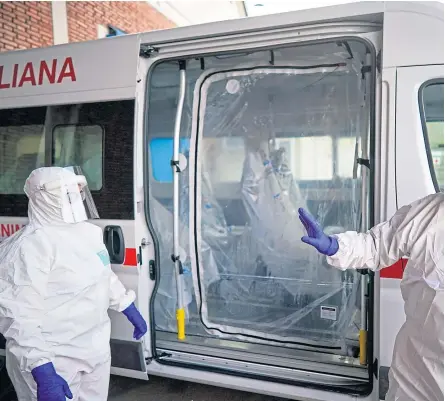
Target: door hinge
[164, 355]
[378, 65]
[378, 61]
[147, 51]
[140, 256]
[364, 162]
[375, 368]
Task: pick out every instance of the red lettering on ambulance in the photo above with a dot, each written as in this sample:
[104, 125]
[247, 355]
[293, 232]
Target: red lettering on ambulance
[50, 74]
[14, 75]
[45, 72]
[28, 75]
[67, 71]
[2, 85]
[5, 230]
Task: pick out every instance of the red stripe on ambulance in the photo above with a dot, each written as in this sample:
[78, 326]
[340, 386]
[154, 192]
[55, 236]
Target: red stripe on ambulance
[38, 73]
[395, 271]
[131, 257]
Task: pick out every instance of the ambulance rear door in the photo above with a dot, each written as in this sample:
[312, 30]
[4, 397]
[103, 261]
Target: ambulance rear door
[291, 85]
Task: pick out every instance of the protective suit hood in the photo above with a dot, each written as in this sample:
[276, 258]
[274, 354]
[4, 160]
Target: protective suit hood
[56, 197]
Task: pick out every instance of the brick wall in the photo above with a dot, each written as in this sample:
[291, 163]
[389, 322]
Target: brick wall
[131, 17]
[25, 24]
[28, 24]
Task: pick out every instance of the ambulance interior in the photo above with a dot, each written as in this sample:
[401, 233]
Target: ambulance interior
[264, 133]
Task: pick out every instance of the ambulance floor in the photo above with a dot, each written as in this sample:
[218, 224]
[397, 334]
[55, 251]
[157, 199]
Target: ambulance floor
[160, 389]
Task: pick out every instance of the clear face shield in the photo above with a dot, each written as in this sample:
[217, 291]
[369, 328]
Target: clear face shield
[76, 199]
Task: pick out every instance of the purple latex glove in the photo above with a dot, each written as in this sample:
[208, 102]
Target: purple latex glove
[50, 386]
[136, 319]
[315, 236]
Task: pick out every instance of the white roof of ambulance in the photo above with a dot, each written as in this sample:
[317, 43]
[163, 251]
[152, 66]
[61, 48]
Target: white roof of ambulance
[413, 35]
[409, 27]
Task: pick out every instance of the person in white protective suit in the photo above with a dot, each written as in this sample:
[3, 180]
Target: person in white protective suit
[415, 232]
[56, 286]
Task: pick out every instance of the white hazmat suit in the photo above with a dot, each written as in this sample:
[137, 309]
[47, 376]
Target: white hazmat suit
[56, 286]
[415, 232]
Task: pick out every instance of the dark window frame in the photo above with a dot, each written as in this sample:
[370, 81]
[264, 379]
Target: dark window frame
[423, 120]
[115, 200]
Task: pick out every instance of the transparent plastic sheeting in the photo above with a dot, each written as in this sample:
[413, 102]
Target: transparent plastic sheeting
[247, 274]
[162, 220]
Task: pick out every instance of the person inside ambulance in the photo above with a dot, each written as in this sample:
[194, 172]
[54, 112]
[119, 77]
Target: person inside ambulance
[56, 286]
[415, 232]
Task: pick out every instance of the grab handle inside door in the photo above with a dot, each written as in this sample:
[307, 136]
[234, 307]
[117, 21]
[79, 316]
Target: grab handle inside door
[177, 169]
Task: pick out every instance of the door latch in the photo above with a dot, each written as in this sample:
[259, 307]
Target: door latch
[152, 270]
[145, 242]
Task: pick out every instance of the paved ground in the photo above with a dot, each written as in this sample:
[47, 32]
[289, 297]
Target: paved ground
[160, 389]
[157, 389]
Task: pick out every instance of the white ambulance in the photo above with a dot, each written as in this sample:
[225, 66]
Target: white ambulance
[200, 144]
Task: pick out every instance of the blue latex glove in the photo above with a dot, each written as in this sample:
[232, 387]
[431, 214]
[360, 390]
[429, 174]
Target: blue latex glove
[315, 236]
[50, 386]
[136, 319]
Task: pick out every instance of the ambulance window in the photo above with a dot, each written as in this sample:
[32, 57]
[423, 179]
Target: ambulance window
[80, 145]
[304, 166]
[345, 157]
[21, 150]
[432, 112]
[161, 152]
[335, 156]
[224, 157]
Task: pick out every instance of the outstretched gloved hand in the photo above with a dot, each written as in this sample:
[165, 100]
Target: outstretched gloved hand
[315, 236]
[136, 319]
[50, 386]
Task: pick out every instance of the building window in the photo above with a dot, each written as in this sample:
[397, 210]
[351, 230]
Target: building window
[113, 31]
[107, 31]
[345, 156]
[432, 113]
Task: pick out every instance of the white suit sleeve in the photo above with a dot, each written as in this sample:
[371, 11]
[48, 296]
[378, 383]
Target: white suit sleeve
[380, 247]
[120, 298]
[23, 287]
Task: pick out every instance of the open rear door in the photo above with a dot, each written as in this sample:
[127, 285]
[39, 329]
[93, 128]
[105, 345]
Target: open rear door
[238, 137]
